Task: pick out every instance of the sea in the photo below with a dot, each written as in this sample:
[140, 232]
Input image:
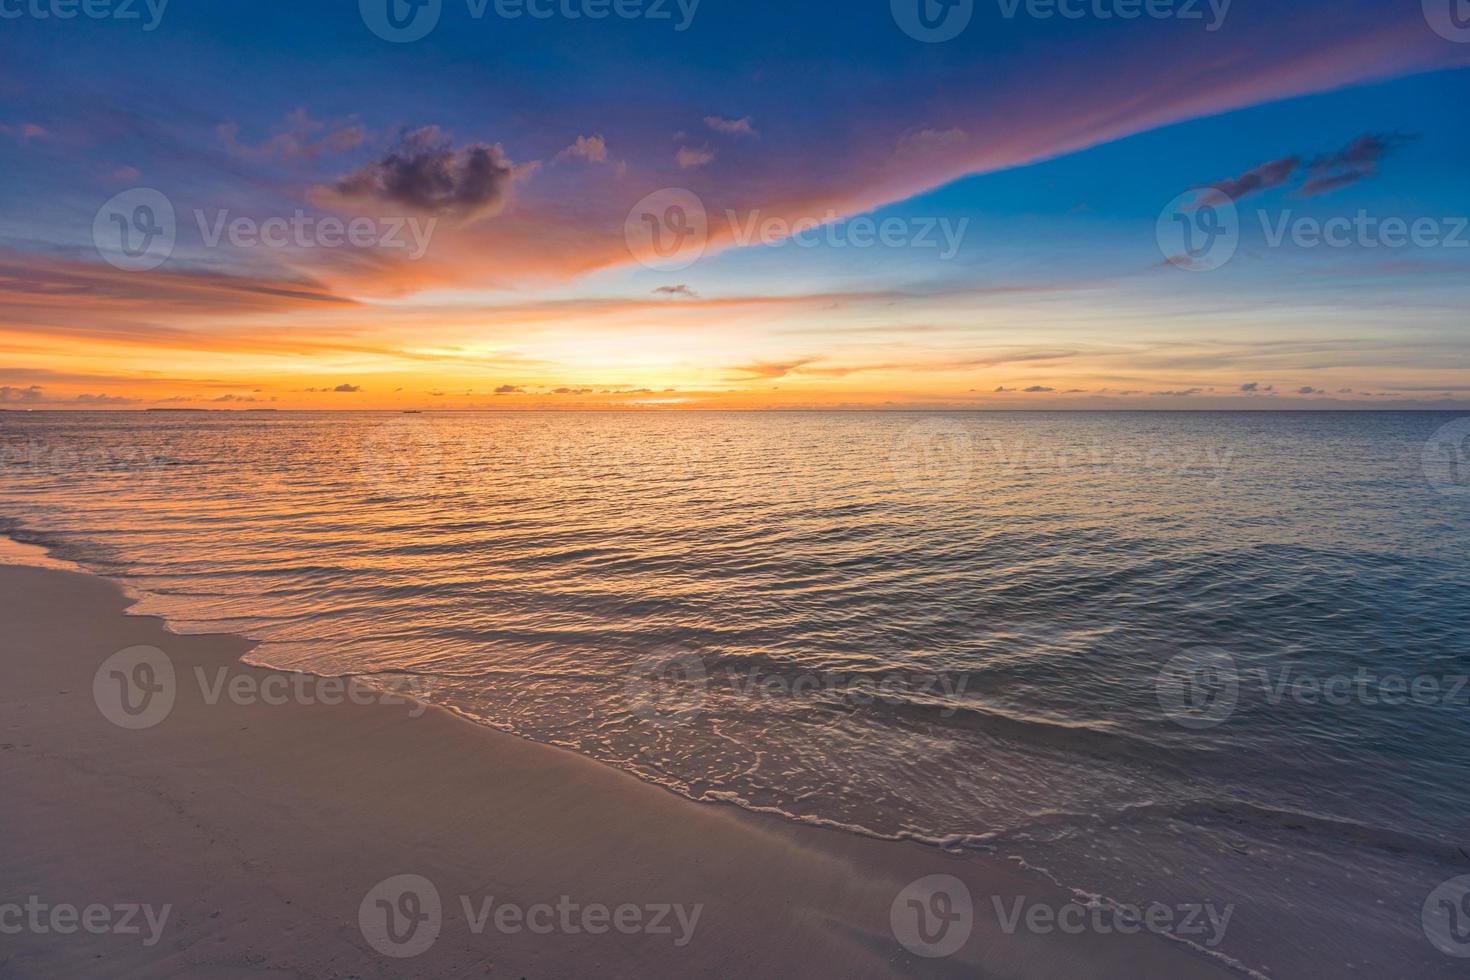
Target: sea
[1168, 658]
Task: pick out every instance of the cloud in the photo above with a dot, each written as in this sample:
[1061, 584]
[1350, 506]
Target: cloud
[26, 132]
[104, 400]
[572, 391]
[1261, 179]
[1308, 390]
[679, 290]
[593, 149]
[1357, 161]
[1003, 388]
[1177, 394]
[126, 174]
[510, 390]
[424, 172]
[11, 395]
[300, 137]
[734, 127]
[348, 388]
[773, 369]
[689, 157]
[1038, 389]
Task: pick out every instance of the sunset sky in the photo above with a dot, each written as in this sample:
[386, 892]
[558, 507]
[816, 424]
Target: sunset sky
[982, 215]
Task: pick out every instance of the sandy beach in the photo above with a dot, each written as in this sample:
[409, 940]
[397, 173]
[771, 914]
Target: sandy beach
[243, 837]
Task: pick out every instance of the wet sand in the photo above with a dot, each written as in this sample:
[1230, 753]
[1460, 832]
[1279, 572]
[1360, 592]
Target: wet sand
[264, 828]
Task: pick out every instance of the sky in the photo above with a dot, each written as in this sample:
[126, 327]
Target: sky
[675, 204]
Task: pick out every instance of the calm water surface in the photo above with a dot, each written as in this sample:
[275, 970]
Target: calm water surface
[1097, 644]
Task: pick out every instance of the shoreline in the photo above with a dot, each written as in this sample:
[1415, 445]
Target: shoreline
[266, 822]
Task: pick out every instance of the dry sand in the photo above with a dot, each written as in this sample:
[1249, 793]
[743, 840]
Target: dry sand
[264, 826]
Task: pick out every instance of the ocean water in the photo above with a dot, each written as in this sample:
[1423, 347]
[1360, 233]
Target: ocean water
[1157, 657]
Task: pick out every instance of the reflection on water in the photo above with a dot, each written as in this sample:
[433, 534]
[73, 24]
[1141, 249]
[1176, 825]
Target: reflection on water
[1095, 642]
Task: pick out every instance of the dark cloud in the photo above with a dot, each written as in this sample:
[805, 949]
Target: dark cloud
[509, 390]
[1354, 162]
[1003, 388]
[424, 172]
[1187, 392]
[1038, 389]
[9, 394]
[1357, 161]
[104, 399]
[1307, 390]
[1261, 179]
[679, 290]
[348, 388]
